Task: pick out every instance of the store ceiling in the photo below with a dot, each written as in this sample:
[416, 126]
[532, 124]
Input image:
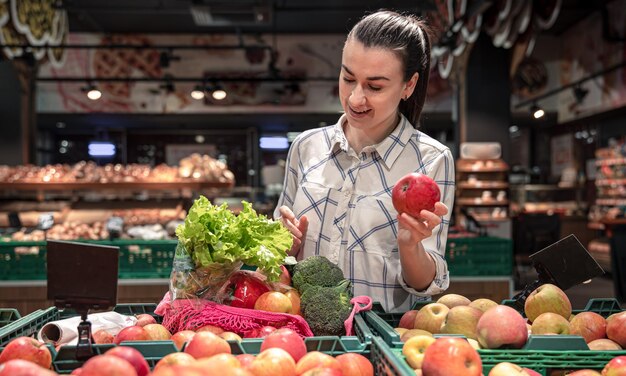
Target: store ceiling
[262, 16]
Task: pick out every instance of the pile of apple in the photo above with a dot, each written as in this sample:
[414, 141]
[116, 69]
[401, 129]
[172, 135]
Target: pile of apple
[283, 353]
[489, 325]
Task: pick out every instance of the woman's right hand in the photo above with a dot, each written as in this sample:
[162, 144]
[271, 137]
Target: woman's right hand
[297, 227]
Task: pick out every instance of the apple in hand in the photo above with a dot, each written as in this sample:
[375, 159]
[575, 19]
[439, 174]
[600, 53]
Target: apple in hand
[616, 367]
[451, 356]
[462, 320]
[414, 349]
[453, 300]
[287, 340]
[550, 323]
[501, 327]
[431, 317]
[353, 364]
[415, 192]
[132, 356]
[588, 325]
[27, 348]
[616, 328]
[547, 298]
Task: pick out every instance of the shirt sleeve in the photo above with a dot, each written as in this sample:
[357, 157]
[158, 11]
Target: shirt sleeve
[290, 184]
[442, 172]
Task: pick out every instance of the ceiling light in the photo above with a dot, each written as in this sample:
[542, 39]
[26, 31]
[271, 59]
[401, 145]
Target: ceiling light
[537, 111]
[198, 92]
[219, 94]
[92, 91]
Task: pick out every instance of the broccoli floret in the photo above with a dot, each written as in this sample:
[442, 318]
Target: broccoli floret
[327, 308]
[315, 271]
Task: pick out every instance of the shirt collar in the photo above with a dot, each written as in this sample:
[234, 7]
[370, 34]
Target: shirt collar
[389, 149]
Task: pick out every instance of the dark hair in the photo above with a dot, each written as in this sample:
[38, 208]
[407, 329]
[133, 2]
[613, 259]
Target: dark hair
[408, 37]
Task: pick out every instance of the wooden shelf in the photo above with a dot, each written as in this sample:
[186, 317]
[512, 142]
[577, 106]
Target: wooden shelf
[610, 182]
[482, 169]
[473, 202]
[130, 186]
[611, 162]
[483, 185]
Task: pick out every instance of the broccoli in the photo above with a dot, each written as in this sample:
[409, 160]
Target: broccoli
[327, 308]
[315, 271]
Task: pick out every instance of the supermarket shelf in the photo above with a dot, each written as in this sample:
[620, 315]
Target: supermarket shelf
[483, 169]
[610, 182]
[611, 162]
[40, 186]
[483, 185]
[473, 202]
[120, 282]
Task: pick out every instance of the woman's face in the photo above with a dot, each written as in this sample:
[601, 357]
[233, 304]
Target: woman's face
[371, 85]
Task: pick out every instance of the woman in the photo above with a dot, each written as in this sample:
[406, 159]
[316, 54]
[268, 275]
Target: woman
[336, 199]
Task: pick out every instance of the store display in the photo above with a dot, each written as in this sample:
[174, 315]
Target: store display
[482, 189]
[610, 204]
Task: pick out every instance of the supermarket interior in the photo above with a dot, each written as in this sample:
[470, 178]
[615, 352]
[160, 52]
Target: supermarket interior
[117, 117]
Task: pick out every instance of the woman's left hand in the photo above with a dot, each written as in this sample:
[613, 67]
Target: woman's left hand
[413, 230]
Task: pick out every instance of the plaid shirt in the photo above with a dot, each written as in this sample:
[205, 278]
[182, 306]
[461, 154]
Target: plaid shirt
[347, 199]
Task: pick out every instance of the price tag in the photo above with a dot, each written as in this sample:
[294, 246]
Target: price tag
[46, 221]
[115, 226]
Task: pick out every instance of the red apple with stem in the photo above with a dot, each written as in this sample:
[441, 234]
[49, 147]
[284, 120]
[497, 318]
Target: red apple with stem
[415, 192]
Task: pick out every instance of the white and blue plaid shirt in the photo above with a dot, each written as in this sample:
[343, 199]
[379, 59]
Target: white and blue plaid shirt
[347, 199]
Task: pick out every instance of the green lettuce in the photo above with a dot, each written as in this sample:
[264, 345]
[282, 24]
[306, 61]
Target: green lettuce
[213, 234]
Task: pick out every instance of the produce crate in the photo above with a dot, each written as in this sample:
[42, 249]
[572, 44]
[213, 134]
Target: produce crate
[8, 315]
[138, 258]
[605, 307]
[479, 256]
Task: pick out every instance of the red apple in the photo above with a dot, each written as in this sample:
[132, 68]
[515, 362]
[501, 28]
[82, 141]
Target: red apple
[206, 344]
[294, 296]
[616, 328]
[414, 349]
[453, 300]
[266, 330]
[584, 372]
[27, 348]
[413, 333]
[507, 369]
[157, 332]
[245, 359]
[451, 356]
[408, 319]
[285, 277]
[274, 301]
[131, 333]
[174, 359]
[273, 362]
[77, 371]
[102, 336]
[431, 317]
[221, 361]
[108, 365]
[588, 325]
[323, 371]
[547, 298]
[210, 328]
[413, 193]
[144, 319]
[247, 291]
[23, 367]
[316, 359]
[353, 364]
[181, 337]
[616, 367]
[132, 356]
[550, 323]
[462, 320]
[603, 344]
[287, 340]
[501, 327]
[183, 370]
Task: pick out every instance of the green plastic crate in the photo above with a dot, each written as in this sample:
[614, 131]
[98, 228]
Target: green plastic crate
[605, 307]
[138, 258]
[479, 256]
[8, 315]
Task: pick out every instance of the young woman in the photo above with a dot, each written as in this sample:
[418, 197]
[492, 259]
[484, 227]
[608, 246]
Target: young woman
[336, 199]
